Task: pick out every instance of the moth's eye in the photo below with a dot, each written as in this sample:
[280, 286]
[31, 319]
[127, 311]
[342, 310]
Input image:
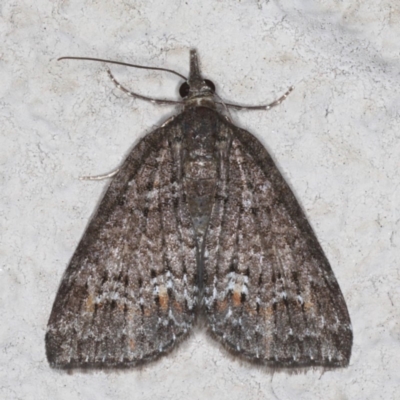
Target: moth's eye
[184, 89]
[210, 85]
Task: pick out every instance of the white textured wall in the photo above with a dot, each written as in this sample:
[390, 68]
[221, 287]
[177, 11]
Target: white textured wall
[336, 139]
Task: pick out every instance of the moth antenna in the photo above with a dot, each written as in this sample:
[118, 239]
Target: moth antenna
[100, 177]
[223, 104]
[139, 96]
[122, 63]
[263, 107]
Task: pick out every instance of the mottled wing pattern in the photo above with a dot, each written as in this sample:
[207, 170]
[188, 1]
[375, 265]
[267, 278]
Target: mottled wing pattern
[270, 294]
[129, 293]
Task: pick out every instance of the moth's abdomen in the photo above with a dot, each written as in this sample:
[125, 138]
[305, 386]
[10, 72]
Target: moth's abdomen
[200, 196]
[200, 179]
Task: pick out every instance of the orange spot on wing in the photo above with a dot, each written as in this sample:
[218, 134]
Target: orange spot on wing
[268, 312]
[177, 306]
[221, 305]
[236, 297]
[90, 303]
[308, 305]
[164, 298]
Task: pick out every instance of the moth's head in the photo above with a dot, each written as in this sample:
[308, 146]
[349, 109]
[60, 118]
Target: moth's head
[196, 88]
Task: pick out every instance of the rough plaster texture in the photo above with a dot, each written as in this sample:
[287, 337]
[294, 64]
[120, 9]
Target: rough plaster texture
[336, 139]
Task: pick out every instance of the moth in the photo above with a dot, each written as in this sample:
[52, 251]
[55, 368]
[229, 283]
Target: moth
[198, 223]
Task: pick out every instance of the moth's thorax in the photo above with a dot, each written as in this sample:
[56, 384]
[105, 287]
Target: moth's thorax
[204, 143]
[200, 101]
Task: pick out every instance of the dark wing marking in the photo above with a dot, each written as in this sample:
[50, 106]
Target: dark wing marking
[129, 293]
[270, 293]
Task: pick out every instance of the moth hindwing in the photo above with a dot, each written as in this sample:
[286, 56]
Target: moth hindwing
[198, 222]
